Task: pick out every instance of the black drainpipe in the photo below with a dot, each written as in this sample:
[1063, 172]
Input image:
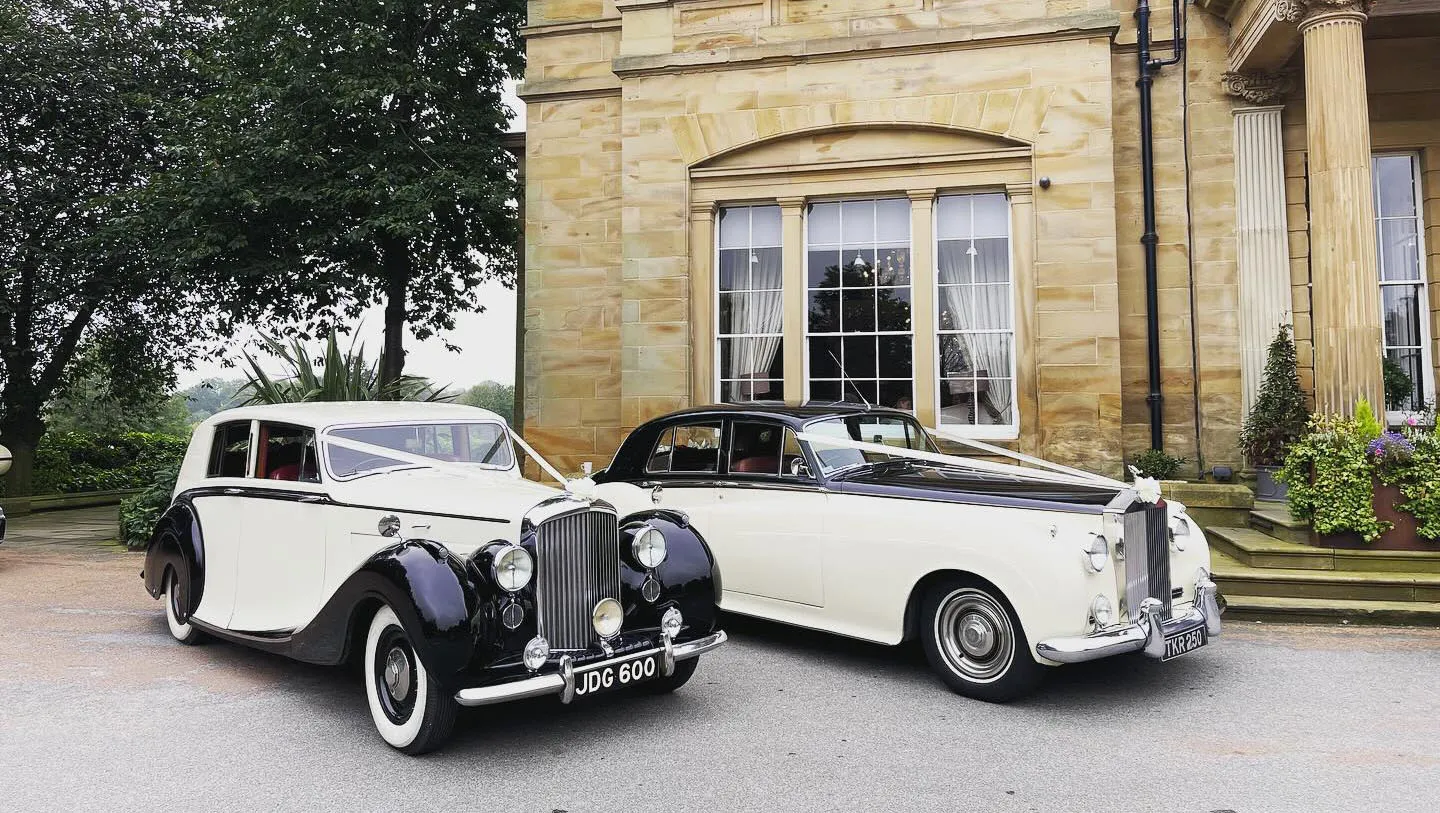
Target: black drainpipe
[1148, 69]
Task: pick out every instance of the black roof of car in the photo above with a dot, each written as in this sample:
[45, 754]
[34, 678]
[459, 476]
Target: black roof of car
[781, 412]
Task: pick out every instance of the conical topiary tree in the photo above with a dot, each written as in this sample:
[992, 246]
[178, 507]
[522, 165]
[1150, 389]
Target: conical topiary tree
[1279, 414]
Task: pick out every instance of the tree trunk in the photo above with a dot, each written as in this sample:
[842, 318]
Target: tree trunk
[21, 434]
[396, 265]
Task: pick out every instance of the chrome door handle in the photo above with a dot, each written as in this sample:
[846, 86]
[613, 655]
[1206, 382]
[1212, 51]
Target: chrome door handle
[312, 498]
[234, 491]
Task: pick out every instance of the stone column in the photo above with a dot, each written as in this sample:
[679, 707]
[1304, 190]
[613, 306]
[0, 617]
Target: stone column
[792, 241]
[1345, 290]
[922, 304]
[1262, 240]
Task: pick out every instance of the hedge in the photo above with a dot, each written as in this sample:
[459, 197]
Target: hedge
[76, 462]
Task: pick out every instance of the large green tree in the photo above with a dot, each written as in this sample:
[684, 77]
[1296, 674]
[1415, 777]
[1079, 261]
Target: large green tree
[84, 86]
[351, 154]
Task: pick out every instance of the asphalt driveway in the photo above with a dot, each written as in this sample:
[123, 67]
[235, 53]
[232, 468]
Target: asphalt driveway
[101, 710]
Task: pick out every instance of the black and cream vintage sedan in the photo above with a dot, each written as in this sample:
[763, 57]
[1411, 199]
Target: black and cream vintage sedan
[848, 519]
[402, 535]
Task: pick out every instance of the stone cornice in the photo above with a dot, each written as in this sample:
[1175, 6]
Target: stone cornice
[1077, 26]
[1259, 87]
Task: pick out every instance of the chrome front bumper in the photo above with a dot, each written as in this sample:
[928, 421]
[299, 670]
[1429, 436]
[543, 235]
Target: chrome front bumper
[1148, 634]
[563, 682]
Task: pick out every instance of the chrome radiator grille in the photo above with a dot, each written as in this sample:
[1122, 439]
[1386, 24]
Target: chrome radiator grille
[577, 564]
[1147, 558]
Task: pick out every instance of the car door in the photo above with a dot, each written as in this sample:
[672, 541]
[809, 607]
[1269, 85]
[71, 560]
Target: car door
[767, 521]
[281, 565]
[219, 511]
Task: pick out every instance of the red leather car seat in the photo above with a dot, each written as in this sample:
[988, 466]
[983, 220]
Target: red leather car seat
[768, 464]
[290, 472]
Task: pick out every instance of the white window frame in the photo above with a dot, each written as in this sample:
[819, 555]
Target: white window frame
[805, 277]
[716, 381]
[1010, 431]
[1427, 362]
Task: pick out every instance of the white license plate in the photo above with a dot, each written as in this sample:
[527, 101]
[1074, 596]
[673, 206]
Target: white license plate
[1182, 642]
[597, 679]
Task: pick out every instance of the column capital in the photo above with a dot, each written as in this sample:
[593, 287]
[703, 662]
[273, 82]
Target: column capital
[702, 209]
[925, 197]
[1302, 11]
[792, 203]
[1258, 87]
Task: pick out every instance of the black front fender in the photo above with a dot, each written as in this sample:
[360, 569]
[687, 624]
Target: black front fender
[177, 545]
[430, 591]
[689, 578]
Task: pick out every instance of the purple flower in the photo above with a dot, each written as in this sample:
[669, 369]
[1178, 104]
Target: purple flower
[1390, 444]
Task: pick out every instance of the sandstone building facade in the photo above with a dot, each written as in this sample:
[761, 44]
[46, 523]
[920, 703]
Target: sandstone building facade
[935, 204]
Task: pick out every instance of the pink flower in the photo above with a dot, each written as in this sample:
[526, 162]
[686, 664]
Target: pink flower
[1411, 420]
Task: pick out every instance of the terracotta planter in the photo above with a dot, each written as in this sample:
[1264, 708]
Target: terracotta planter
[1403, 536]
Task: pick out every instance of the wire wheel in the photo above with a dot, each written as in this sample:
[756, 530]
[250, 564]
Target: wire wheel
[974, 634]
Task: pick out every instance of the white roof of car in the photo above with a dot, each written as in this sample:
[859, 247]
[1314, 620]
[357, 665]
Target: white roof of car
[322, 414]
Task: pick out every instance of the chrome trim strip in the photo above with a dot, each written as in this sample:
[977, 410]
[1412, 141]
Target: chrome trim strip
[1147, 634]
[563, 682]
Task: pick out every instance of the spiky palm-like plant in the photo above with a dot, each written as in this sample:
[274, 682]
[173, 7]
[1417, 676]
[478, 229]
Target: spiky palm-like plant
[337, 376]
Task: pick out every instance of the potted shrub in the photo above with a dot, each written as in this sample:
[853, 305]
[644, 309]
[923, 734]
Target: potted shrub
[1277, 418]
[1359, 486]
[1159, 465]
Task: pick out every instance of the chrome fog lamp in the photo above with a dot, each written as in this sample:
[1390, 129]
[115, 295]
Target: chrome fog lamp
[536, 653]
[512, 616]
[513, 568]
[649, 547]
[607, 617]
[1101, 612]
[671, 622]
[1179, 532]
[650, 590]
[1097, 553]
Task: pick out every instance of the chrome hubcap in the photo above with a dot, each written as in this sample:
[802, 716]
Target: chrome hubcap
[974, 635]
[977, 637]
[397, 674]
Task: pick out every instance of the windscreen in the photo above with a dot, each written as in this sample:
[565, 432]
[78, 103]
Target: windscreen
[885, 430]
[483, 444]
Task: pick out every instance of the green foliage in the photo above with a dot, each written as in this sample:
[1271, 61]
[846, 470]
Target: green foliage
[1367, 426]
[96, 402]
[139, 513]
[492, 395]
[209, 397]
[1398, 385]
[352, 152]
[337, 376]
[1158, 464]
[1419, 482]
[85, 94]
[1279, 414]
[1338, 500]
[73, 462]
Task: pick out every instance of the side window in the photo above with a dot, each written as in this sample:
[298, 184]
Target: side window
[231, 450]
[755, 448]
[694, 448]
[287, 453]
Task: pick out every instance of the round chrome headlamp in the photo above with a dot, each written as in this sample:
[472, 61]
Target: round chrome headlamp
[1101, 612]
[1179, 532]
[536, 653]
[1097, 553]
[649, 547]
[671, 622]
[607, 617]
[512, 568]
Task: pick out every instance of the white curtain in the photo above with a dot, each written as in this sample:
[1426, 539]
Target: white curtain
[762, 312]
[981, 307]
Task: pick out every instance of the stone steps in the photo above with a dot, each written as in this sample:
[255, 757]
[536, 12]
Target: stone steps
[1274, 519]
[1237, 579]
[1253, 548]
[1328, 611]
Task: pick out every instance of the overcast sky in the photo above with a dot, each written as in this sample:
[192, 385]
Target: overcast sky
[486, 340]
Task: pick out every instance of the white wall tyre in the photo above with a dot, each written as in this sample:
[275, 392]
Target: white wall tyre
[185, 633]
[411, 711]
[974, 640]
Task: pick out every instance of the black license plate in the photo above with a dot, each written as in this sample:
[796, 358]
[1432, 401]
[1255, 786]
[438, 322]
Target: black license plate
[1183, 642]
[593, 680]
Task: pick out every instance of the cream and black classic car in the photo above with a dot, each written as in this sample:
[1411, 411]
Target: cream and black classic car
[402, 535]
[848, 519]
